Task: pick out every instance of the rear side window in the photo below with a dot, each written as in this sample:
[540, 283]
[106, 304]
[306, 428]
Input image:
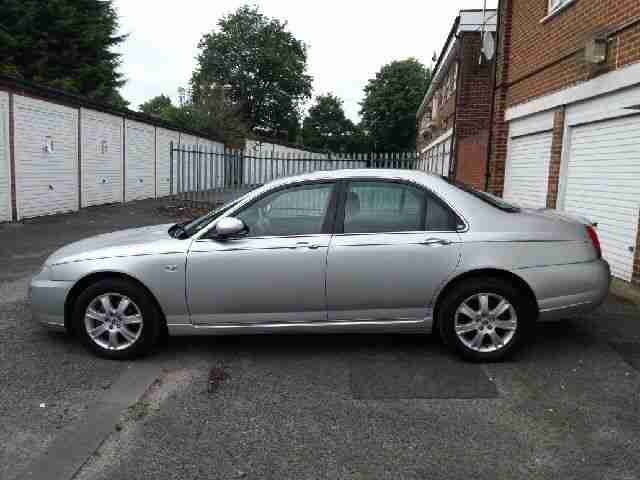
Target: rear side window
[440, 218]
[378, 207]
[372, 207]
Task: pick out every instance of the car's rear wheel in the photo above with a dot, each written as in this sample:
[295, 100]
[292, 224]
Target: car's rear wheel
[117, 319]
[486, 320]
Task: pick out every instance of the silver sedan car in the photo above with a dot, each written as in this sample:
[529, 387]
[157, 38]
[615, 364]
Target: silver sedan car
[339, 251]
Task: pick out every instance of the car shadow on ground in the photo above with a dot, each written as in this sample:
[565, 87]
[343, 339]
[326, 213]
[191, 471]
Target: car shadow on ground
[546, 338]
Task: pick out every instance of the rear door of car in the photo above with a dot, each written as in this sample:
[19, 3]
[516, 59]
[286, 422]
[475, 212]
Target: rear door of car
[395, 244]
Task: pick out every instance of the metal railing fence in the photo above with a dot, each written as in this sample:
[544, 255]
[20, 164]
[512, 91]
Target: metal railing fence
[201, 174]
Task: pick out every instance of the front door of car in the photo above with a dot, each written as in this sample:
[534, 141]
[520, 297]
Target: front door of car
[275, 272]
[398, 245]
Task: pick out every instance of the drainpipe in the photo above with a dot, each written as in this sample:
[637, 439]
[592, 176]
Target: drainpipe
[487, 172]
[453, 154]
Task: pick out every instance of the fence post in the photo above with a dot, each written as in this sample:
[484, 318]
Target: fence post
[171, 168]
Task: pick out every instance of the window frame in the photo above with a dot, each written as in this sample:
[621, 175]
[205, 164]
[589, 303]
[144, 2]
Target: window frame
[427, 195]
[328, 223]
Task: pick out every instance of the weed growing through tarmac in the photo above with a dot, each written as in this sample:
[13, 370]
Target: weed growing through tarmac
[217, 375]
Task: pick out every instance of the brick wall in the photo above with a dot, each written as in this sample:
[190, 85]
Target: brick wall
[473, 112]
[554, 162]
[499, 128]
[549, 56]
[537, 58]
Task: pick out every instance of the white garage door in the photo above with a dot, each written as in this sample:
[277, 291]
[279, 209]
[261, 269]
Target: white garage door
[5, 182]
[101, 158]
[527, 170]
[163, 157]
[46, 157]
[140, 161]
[603, 184]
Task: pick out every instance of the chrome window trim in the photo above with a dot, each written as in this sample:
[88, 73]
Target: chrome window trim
[411, 182]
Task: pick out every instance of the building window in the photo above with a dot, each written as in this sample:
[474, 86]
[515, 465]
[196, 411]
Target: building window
[555, 5]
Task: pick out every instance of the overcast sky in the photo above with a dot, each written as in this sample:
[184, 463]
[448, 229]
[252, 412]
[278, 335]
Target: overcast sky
[348, 40]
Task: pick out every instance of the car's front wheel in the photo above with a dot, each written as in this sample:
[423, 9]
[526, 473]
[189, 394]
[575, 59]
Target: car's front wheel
[117, 319]
[486, 319]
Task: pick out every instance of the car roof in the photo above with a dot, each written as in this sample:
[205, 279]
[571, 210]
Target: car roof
[373, 173]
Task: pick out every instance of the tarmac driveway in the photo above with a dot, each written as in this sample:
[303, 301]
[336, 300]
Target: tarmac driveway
[330, 406]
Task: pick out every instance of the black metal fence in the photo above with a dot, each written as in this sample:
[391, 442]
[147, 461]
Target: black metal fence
[208, 175]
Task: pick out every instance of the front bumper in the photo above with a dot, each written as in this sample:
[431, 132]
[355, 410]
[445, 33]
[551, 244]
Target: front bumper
[47, 300]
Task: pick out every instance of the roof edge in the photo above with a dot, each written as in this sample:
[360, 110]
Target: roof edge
[11, 83]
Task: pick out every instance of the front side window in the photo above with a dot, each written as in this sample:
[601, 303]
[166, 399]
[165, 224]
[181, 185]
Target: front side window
[294, 211]
[378, 207]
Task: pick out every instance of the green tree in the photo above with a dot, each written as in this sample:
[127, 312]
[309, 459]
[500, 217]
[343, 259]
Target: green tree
[156, 105]
[66, 44]
[327, 128]
[262, 65]
[210, 113]
[391, 101]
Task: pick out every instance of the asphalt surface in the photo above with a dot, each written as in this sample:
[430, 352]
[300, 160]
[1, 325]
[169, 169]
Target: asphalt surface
[334, 406]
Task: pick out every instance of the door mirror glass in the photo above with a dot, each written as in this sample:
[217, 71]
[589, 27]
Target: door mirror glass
[229, 227]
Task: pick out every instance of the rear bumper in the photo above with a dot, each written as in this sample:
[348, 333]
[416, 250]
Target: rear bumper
[47, 301]
[567, 290]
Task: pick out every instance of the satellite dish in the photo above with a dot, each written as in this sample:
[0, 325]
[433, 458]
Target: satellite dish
[488, 46]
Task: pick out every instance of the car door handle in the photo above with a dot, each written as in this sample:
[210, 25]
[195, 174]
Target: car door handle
[435, 241]
[312, 246]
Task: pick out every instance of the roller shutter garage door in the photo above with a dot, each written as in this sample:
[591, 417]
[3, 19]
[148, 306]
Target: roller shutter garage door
[46, 157]
[527, 170]
[5, 182]
[603, 184]
[101, 158]
[140, 161]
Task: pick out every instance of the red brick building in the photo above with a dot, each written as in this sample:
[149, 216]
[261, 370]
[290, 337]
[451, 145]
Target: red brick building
[454, 117]
[566, 116]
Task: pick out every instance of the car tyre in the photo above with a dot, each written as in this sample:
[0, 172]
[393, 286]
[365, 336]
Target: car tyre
[126, 325]
[486, 319]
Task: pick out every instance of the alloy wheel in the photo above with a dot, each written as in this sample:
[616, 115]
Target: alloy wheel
[113, 321]
[485, 322]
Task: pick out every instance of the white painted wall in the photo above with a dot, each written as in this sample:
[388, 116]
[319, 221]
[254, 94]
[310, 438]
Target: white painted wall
[46, 182]
[254, 147]
[5, 164]
[101, 157]
[140, 160]
[164, 138]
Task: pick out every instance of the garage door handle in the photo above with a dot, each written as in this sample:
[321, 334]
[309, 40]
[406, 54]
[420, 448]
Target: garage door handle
[435, 241]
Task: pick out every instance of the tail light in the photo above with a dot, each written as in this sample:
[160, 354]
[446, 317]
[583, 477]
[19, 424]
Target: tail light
[594, 240]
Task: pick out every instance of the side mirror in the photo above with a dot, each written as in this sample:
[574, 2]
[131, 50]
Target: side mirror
[229, 227]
